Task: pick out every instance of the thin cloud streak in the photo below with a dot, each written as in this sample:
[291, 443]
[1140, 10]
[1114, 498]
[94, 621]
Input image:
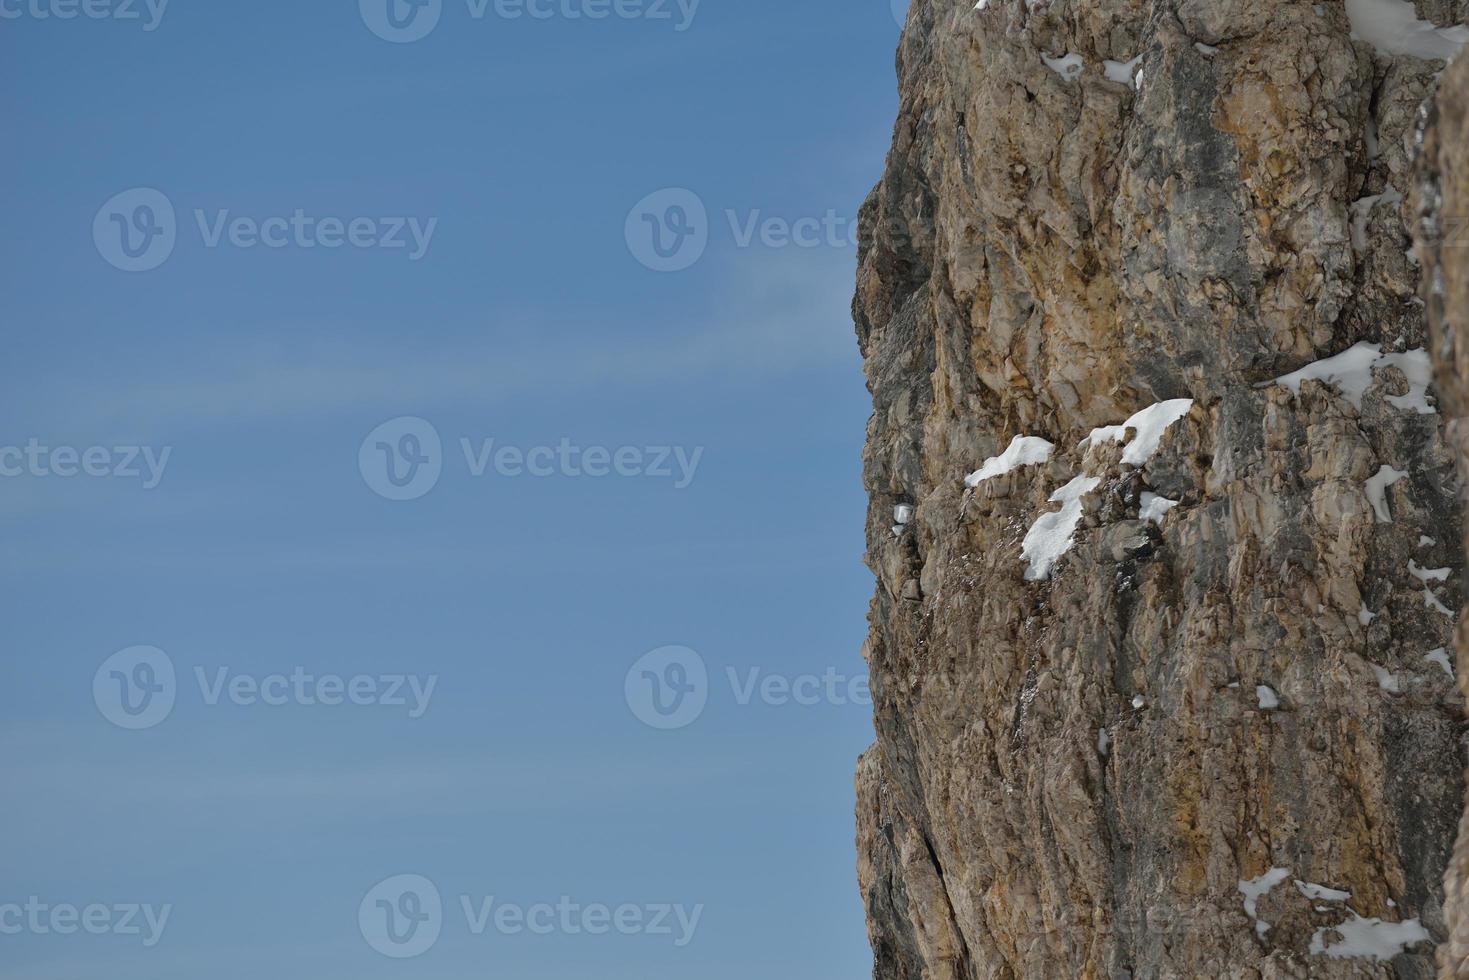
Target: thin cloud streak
[783, 312]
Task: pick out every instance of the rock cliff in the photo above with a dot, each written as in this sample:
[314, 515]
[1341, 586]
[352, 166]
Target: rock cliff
[1165, 506]
[1440, 207]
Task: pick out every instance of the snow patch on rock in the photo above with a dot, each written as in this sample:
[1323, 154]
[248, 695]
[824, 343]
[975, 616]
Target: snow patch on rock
[1427, 574]
[1068, 66]
[1154, 508]
[1351, 373]
[1320, 893]
[1362, 214]
[1440, 657]
[1121, 71]
[1022, 451]
[1432, 602]
[1052, 535]
[1368, 938]
[1387, 680]
[1256, 889]
[1148, 425]
[1393, 27]
[1377, 491]
[1418, 369]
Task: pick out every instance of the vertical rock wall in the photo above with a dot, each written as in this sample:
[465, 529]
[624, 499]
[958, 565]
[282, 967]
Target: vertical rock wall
[1193, 715]
[1440, 205]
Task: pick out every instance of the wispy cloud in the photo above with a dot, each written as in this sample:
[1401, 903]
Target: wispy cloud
[780, 312]
[58, 790]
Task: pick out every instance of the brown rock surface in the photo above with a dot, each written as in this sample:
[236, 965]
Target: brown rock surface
[1440, 203]
[1082, 775]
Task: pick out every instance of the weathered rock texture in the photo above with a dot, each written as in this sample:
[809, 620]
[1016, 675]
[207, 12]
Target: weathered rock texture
[1440, 204]
[1073, 776]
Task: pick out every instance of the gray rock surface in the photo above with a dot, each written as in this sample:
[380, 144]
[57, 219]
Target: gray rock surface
[1440, 206]
[1141, 765]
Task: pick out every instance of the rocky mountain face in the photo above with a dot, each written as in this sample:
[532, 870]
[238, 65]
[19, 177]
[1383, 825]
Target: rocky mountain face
[1440, 208]
[1165, 495]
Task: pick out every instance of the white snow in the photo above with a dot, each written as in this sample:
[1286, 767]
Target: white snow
[1362, 213]
[1149, 425]
[1440, 657]
[1377, 491]
[1051, 536]
[1417, 368]
[1068, 66]
[1351, 372]
[1104, 742]
[1107, 433]
[903, 513]
[1269, 700]
[1393, 27]
[1121, 71]
[898, 530]
[1424, 541]
[1257, 888]
[1154, 508]
[1387, 680]
[1369, 938]
[1431, 601]
[1207, 50]
[1138, 702]
[1022, 451]
[1365, 616]
[1321, 893]
[1427, 574]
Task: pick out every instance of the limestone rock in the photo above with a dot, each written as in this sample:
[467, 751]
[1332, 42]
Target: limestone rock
[1102, 736]
[1440, 205]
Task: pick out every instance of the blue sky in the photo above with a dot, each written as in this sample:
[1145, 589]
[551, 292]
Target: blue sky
[534, 149]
